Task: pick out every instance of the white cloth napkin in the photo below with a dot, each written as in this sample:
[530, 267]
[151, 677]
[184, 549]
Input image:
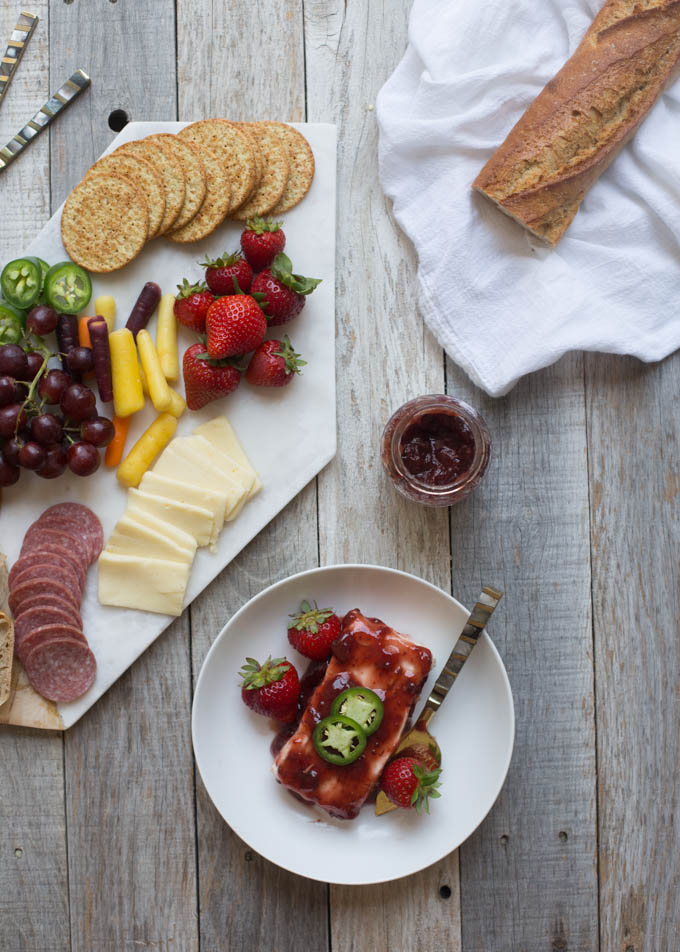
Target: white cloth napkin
[501, 303]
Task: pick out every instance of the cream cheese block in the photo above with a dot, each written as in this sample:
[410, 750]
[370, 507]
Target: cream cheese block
[135, 536]
[177, 465]
[194, 520]
[146, 584]
[221, 434]
[187, 493]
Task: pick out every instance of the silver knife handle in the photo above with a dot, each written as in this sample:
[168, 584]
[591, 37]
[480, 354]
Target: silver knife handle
[462, 650]
[18, 42]
[45, 115]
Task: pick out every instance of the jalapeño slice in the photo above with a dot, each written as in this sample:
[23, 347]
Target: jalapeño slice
[12, 323]
[67, 287]
[339, 740]
[362, 705]
[21, 281]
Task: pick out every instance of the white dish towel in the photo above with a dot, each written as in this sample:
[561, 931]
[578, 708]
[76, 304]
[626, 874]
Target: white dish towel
[501, 303]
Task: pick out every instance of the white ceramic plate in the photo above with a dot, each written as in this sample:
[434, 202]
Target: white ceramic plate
[475, 730]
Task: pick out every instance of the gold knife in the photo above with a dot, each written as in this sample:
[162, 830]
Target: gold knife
[462, 650]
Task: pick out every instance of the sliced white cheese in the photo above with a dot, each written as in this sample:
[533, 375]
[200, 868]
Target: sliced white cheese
[133, 535]
[147, 584]
[195, 520]
[198, 448]
[221, 434]
[188, 494]
[176, 463]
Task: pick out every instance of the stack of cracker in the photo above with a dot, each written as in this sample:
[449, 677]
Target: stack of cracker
[183, 186]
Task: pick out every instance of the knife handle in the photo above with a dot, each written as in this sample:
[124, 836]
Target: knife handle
[475, 625]
[18, 42]
[73, 86]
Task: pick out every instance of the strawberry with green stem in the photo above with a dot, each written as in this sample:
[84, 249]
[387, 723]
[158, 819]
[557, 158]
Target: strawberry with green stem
[274, 364]
[228, 274]
[191, 305]
[207, 379]
[313, 631]
[262, 240]
[280, 293]
[409, 784]
[271, 688]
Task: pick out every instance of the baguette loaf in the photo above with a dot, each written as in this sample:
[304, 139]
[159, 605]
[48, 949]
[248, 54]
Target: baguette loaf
[577, 125]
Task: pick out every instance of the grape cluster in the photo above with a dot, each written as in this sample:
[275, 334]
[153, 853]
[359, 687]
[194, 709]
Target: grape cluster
[48, 418]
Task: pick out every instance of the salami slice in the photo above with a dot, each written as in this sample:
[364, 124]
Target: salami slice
[75, 517]
[38, 534]
[62, 669]
[67, 576]
[49, 600]
[41, 586]
[47, 633]
[39, 617]
[57, 555]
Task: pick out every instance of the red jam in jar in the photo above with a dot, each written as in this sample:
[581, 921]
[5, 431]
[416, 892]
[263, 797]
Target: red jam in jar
[436, 450]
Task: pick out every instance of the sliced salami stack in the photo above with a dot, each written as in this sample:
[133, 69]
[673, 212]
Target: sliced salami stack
[45, 591]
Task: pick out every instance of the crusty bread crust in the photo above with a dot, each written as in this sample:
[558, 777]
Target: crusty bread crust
[584, 116]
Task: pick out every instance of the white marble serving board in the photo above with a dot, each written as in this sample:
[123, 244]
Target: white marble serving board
[289, 434]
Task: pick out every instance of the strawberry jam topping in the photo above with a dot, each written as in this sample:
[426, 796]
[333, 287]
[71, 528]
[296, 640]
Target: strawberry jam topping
[370, 654]
[437, 448]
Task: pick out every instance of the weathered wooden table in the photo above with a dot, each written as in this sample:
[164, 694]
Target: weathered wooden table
[108, 840]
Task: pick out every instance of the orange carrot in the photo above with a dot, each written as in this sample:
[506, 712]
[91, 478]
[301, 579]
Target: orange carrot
[114, 451]
[84, 332]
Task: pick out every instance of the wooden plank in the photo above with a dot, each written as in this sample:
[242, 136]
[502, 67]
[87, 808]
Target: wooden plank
[351, 50]
[254, 72]
[634, 448]
[242, 895]
[130, 796]
[33, 877]
[529, 873]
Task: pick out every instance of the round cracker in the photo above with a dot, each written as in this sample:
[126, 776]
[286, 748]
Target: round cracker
[257, 155]
[225, 138]
[301, 167]
[189, 158]
[143, 175]
[206, 135]
[274, 175]
[170, 172]
[105, 222]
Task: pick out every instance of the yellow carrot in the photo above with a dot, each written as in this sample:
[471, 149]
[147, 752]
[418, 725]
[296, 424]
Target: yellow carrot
[152, 441]
[105, 307]
[114, 451]
[178, 405]
[128, 396]
[166, 337]
[159, 391]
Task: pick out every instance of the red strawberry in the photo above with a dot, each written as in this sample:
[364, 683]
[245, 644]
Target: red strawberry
[261, 241]
[274, 364]
[407, 783]
[221, 273]
[313, 631]
[280, 292]
[271, 688]
[206, 379]
[192, 305]
[235, 325]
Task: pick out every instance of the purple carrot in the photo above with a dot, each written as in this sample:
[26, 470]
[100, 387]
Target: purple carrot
[67, 337]
[145, 305]
[99, 336]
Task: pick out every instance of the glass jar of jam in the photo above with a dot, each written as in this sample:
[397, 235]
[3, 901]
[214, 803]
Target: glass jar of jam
[436, 450]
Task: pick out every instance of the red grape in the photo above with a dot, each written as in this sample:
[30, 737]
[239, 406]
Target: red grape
[10, 451]
[83, 459]
[31, 455]
[46, 429]
[13, 361]
[34, 361]
[53, 384]
[78, 402]
[8, 474]
[8, 390]
[42, 320]
[8, 418]
[98, 431]
[55, 462]
[79, 359]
